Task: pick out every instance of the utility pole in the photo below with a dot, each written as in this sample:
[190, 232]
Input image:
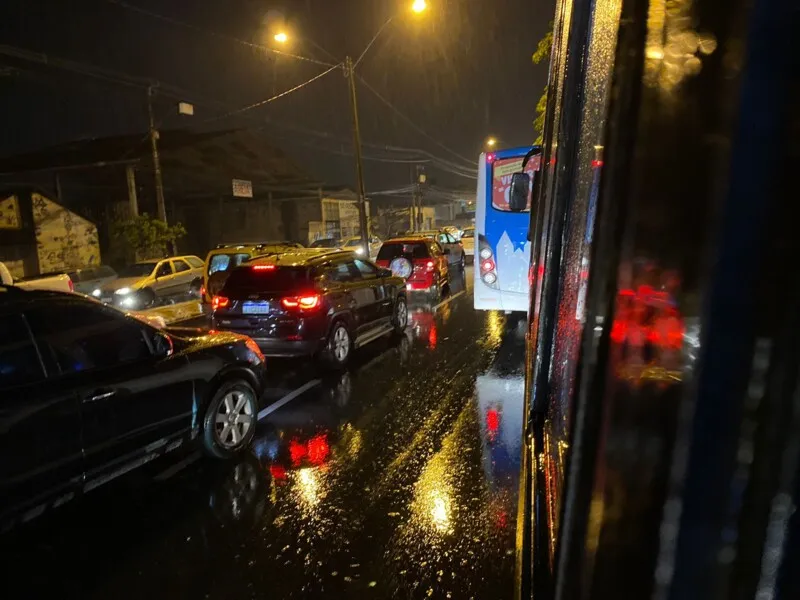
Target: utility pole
[412, 214]
[162, 211]
[421, 179]
[362, 205]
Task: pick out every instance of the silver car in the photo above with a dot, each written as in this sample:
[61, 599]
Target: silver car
[148, 282]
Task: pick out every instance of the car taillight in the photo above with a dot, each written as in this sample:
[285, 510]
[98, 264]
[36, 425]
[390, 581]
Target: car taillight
[253, 347]
[309, 302]
[71, 285]
[429, 265]
[263, 267]
[219, 302]
[202, 291]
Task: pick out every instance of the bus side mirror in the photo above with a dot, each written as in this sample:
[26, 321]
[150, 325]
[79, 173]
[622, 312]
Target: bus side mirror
[520, 190]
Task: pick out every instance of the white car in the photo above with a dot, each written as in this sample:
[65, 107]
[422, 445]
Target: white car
[58, 282]
[468, 241]
[354, 244]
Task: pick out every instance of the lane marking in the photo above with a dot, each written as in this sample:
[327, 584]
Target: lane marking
[174, 469]
[288, 398]
[449, 299]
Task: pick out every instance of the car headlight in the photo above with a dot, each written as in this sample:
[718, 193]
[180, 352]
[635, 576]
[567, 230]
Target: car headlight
[123, 291]
[359, 250]
[129, 302]
[96, 293]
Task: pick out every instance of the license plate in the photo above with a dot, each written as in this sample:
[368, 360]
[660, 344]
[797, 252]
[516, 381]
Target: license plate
[255, 308]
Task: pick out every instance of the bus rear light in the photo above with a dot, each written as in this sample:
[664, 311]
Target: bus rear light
[486, 253]
[487, 265]
[489, 277]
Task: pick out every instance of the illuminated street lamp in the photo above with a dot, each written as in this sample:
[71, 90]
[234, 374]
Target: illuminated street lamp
[417, 7]
[491, 142]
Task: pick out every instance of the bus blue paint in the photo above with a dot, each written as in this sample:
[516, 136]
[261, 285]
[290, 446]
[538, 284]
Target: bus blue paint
[504, 233]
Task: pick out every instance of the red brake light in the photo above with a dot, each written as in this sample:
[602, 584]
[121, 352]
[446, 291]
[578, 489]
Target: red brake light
[309, 302]
[202, 291]
[490, 158]
[71, 285]
[219, 302]
[487, 265]
[263, 267]
[429, 265]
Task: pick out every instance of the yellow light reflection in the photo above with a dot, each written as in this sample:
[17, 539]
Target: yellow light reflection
[308, 484]
[281, 37]
[419, 6]
[494, 327]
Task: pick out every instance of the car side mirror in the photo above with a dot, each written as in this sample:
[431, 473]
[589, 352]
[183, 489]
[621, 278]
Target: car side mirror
[519, 192]
[162, 344]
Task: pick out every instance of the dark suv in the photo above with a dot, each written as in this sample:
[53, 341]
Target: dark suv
[298, 304]
[88, 393]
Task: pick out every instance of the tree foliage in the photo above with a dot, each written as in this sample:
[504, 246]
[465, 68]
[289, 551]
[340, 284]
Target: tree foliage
[146, 237]
[543, 51]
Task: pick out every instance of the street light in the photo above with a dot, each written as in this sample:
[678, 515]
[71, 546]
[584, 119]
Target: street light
[491, 142]
[418, 7]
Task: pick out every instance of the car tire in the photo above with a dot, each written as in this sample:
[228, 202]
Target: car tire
[338, 347]
[148, 298]
[230, 421]
[400, 315]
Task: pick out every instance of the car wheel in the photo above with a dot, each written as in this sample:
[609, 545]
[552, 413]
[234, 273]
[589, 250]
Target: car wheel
[230, 421]
[148, 298]
[400, 318]
[339, 345]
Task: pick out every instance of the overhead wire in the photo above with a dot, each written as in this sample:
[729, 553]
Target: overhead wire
[409, 121]
[273, 98]
[230, 38]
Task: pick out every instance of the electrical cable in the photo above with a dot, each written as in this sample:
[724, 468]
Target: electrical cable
[179, 23]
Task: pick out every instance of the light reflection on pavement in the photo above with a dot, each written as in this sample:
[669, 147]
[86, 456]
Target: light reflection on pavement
[395, 479]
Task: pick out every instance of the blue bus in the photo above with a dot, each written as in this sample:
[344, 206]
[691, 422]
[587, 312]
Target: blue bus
[503, 250]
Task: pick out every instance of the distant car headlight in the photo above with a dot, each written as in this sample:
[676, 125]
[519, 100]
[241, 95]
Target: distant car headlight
[96, 293]
[123, 291]
[359, 250]
[129, 302]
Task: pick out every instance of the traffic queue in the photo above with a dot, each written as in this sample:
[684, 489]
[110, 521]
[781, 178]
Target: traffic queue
[96, 384]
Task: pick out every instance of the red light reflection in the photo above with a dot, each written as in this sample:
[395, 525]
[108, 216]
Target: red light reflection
[297, 452]
[318, 449]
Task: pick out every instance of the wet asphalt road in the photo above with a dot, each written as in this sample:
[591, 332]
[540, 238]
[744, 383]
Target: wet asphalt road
[395, 479]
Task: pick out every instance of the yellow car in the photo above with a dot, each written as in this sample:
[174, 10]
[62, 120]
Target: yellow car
[226, 257]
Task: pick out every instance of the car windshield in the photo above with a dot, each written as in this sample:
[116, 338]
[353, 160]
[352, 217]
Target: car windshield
[137, 270]
[246, 280]
[324, 243]
[226, 262]
[392, 250]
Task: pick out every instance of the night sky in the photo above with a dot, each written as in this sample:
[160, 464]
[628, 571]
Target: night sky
[462, 72]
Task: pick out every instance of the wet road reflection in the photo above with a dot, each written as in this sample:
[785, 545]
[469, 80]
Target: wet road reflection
[395, 479]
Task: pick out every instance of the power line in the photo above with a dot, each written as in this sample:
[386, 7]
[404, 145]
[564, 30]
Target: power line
[273, 98]
[410, 122]
[214, 34]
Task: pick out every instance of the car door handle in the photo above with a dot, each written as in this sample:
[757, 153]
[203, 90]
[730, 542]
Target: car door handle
[98, 395]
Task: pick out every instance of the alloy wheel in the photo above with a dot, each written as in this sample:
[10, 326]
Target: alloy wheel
[234, 418]
[401, 315]
[341, 343]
